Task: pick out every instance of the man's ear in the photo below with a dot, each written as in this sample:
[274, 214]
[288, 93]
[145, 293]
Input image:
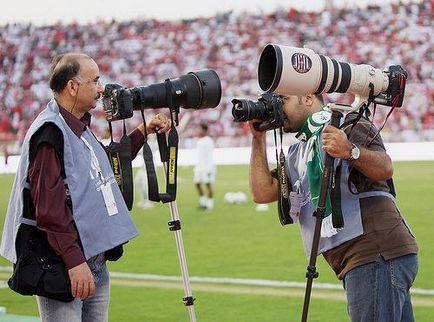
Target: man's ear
[308, 100]
[72, 87]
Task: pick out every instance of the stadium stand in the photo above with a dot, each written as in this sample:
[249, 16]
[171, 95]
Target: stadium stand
[148, 51]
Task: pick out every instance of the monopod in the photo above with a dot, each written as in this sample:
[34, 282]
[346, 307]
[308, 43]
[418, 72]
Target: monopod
[175, 226]
[169, 157]
[319, 214]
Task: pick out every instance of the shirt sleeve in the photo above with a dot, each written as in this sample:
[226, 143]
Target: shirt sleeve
[274, 174]
[364, 133]
[137, 141]
[52, 213]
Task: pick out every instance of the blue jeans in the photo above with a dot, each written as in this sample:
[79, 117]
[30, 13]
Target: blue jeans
[92, 309]
[380, 291]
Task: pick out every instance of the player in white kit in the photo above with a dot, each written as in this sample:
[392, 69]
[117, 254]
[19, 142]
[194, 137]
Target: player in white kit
[205, 169]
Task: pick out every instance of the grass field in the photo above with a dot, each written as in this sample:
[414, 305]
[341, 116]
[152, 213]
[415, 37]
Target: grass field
[236, 241]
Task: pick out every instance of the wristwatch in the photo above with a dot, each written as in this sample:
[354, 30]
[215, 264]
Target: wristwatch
[354, 152]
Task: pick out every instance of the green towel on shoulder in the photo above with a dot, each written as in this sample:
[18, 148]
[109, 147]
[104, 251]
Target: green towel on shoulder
[311, 133]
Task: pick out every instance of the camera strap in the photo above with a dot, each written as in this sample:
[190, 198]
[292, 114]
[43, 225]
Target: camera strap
[119, 154]
[335, 189]
[168, 153]
[283, 202]
[335, 196]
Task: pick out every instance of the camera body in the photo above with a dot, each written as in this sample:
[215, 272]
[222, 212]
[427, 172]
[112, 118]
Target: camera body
[117, 102]
[197, 90]
[268, 109]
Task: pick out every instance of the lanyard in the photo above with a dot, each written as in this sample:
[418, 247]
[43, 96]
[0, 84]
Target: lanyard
[94, 160]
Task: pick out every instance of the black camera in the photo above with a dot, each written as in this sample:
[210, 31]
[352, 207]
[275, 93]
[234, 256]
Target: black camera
[268, 109]
[197, 90]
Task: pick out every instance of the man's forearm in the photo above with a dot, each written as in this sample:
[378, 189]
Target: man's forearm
[376, 165]
[262, 185]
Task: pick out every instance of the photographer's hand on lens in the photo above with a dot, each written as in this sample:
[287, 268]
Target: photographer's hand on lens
[336, 143]
[159, 123]
[82, 281]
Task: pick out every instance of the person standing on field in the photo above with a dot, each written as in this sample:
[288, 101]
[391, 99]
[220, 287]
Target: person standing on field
[205, 169]
[375, 253]
[65, 199]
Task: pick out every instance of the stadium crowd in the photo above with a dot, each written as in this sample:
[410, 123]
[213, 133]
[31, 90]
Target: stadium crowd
[143, 52]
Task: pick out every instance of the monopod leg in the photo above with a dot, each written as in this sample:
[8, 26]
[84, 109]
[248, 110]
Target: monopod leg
[175, 226]
[311, 269]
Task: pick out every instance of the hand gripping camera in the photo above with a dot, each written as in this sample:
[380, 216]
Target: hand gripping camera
[299, 71]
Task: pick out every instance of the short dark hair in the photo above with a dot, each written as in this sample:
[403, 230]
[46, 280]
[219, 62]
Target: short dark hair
[63, 68]
[320, 98]
[204, 126]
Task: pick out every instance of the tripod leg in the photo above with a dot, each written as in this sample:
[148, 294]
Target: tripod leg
[175, 226]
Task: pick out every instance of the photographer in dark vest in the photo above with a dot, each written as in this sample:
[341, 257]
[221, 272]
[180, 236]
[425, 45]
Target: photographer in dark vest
[66, 188]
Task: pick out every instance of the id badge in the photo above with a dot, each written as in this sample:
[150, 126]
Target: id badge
[296, 199]
[109, 199]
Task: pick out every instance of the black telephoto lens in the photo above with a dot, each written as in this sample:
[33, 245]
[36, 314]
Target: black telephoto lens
[195, 90]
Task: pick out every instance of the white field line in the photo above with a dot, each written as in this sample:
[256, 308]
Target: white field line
[229, 280]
